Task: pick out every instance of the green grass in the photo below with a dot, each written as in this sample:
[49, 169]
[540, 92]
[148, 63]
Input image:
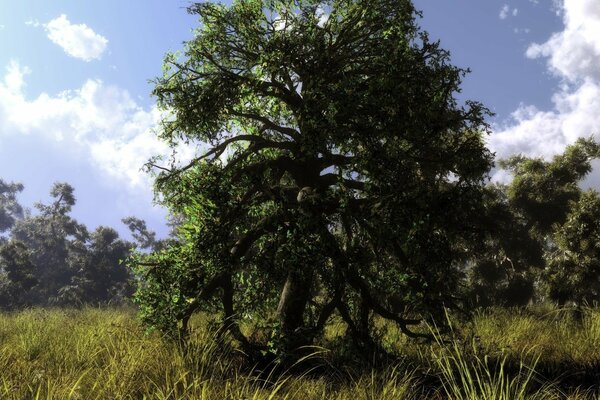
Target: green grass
[105, 354]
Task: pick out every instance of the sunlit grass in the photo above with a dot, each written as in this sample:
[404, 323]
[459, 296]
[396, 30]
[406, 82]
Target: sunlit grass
[553, 334]
[106, 354]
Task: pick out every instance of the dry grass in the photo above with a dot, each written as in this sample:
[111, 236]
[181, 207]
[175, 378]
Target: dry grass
[105, 354]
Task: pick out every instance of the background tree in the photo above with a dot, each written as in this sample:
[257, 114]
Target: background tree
[542, 190]
[140, 232]
[10, 209]
[541, 231]
[49, 258]
[573, 270]
[53, 237]
[17, 275]
[341, 171]
[100, 277]
[144, 237]
[502, 270]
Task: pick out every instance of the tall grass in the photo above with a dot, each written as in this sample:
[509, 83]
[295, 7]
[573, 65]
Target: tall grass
[555, 334]
[106, 354]
[471, 375]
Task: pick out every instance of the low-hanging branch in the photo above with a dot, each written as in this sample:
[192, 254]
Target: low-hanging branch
[356, 282]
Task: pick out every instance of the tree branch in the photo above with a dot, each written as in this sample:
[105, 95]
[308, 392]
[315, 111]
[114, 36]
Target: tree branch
[268, 124]
[265, 225]
[334, 179]
[363, 288]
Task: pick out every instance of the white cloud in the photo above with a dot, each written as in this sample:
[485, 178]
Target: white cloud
[14, 78]
[545, 133]
[32, 22]
[573, 55]
[506, 11]
[77, 40]
[100, 121]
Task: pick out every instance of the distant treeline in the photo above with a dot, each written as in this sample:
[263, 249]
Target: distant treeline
[49, 258]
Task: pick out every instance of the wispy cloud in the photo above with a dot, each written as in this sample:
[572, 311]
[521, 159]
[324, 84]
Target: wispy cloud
[32, 22]
[521, 30]
[506, 11]
[77, 40]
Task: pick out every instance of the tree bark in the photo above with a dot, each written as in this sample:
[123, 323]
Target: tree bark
[292, 304]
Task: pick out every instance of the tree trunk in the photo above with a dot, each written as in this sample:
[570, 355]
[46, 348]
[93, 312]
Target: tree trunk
[292, 304]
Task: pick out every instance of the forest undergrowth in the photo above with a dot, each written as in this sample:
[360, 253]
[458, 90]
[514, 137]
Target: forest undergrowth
[90, 353]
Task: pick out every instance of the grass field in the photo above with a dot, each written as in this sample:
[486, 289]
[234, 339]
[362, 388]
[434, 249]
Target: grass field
[105, 354]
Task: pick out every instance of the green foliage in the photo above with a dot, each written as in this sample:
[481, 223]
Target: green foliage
[540, 232]
[573, 271]
[19, 275]
[53, 259]
[166, 289]
[340, 172]
[10, 209]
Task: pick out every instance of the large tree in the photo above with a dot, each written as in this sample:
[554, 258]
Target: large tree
[341, 174]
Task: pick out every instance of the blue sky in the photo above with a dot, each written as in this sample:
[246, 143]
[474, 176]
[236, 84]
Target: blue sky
[75, 99]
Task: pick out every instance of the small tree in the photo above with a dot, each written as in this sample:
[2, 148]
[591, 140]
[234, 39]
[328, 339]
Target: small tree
[341, 175]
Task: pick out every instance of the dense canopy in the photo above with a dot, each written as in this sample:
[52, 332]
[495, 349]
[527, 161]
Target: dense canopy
[341, 174]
